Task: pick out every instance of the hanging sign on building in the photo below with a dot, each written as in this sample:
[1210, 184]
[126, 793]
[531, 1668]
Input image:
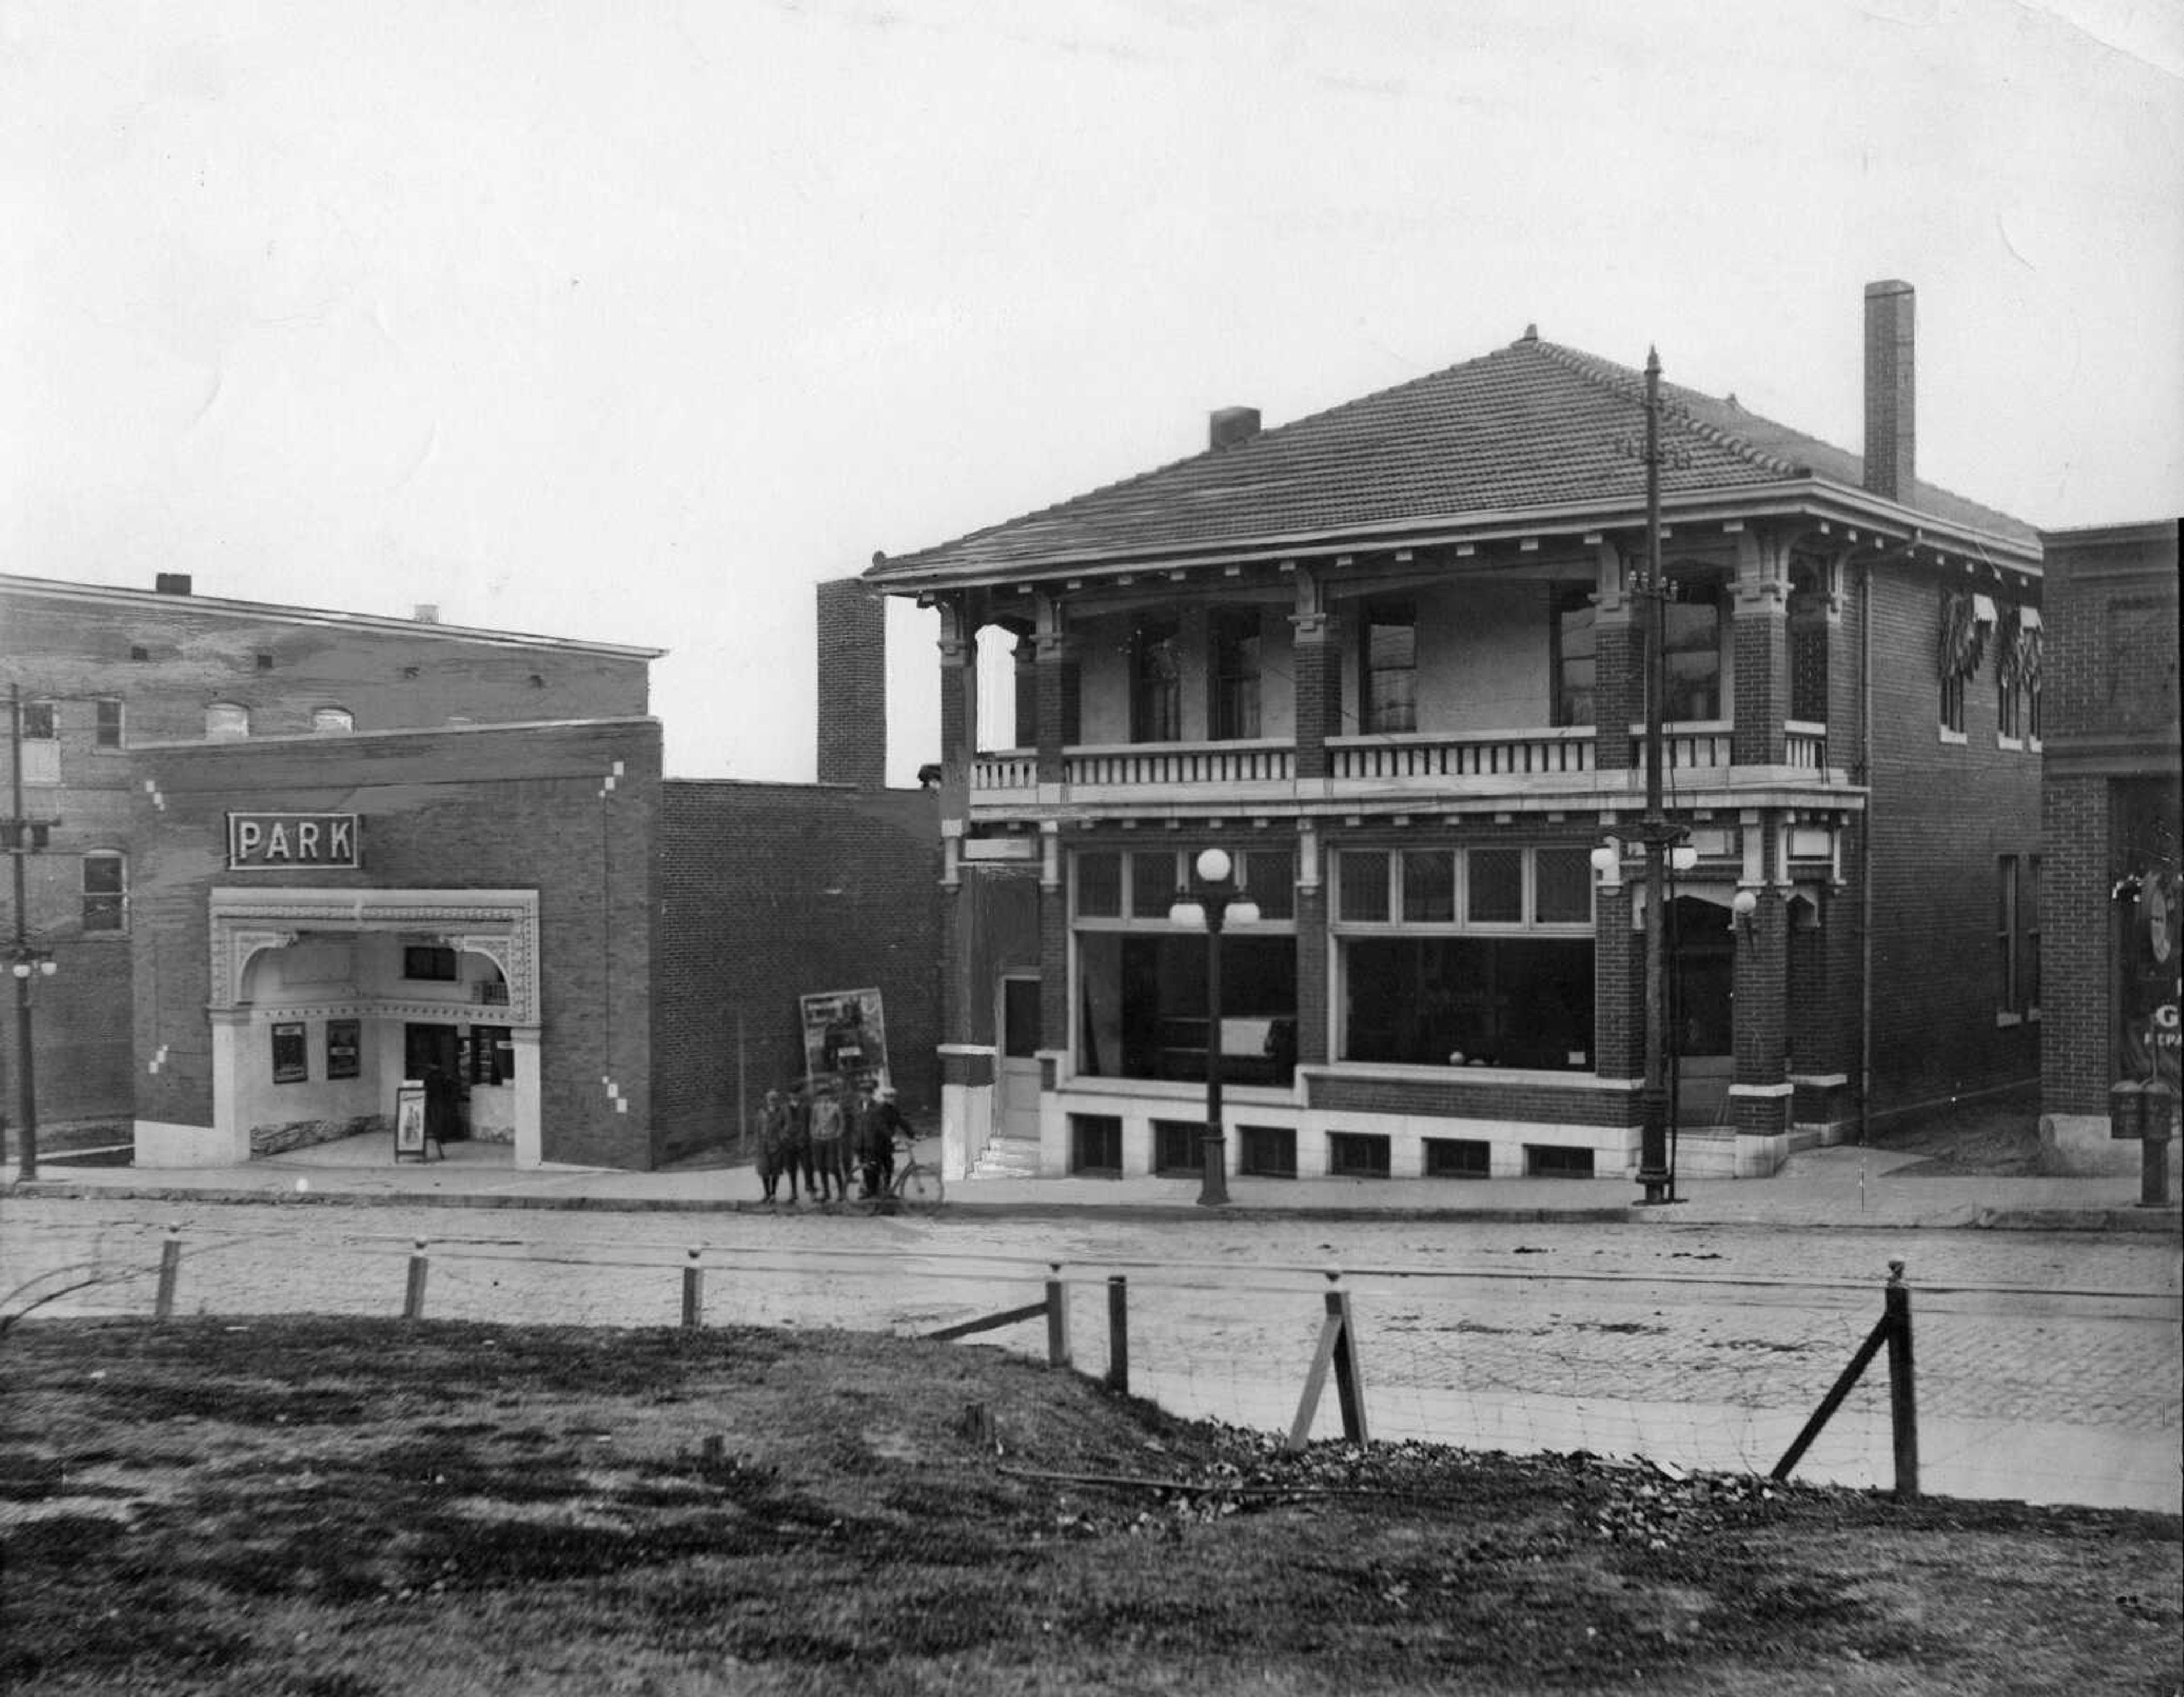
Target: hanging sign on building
[845, 1036]
[264, 842]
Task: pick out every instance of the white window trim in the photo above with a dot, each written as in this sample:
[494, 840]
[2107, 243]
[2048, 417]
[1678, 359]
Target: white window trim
[120, 856]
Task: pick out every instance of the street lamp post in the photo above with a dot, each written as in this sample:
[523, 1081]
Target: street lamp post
[1213, 901]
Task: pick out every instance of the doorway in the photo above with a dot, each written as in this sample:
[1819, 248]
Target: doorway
[1017, 1111]
[1701, 1011]
[425, 1046]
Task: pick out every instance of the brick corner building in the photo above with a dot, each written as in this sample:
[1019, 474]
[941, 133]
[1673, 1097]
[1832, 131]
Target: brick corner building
[2110, 809]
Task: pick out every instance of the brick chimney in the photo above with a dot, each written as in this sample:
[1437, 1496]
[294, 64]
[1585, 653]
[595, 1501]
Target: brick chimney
[1232, 425]
[1889, 389]
[171, 583]
[852, 684]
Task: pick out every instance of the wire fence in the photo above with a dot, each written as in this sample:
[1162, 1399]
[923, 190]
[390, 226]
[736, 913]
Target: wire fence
[2042, 1395]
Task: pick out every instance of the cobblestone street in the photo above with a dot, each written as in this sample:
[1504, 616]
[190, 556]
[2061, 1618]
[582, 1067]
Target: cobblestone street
[2048, 1364]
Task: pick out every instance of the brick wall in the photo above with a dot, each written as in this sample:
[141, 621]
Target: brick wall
[852, 684]
[771, 891]
[1940, 813]
[282, 664]
[1459, 1098]
[478, 808]
[74, 646]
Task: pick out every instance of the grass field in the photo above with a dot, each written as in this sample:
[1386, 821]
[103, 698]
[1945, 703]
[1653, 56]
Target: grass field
[339, 1507]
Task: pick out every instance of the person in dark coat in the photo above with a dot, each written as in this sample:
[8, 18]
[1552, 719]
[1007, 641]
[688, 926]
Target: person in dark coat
[439, 1105]
[781, 1149]
[879, 1123]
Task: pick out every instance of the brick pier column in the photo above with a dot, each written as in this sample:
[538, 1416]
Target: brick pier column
[1761, 700]
[1760, 1091]
[1318, 662]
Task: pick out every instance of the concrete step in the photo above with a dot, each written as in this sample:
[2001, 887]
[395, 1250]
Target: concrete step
[1007, 1158]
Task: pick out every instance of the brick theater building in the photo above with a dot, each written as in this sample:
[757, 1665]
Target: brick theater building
[2112, 827]
[1388, 657]
[281, 860]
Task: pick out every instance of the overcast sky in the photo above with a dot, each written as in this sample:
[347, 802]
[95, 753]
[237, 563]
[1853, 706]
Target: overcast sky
[635, 320]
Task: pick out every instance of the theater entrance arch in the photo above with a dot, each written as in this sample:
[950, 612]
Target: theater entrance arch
[501, 925]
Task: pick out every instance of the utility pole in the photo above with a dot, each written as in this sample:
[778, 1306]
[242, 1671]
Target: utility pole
[18, 845]
[1653, 1170]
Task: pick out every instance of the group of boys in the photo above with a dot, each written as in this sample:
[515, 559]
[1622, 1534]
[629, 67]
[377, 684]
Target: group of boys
[825, 1133]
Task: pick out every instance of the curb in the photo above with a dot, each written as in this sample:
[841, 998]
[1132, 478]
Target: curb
[2100, 1218]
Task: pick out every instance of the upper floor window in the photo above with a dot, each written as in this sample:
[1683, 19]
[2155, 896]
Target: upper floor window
[105, 891]
[1693, 630]
[106, 732]
[1389, 658]
[1575, 640]
[227, 719]
[2008, 718]
[1236, 658]
[39, 749]
[1966, 619]
[332, 719]
[1156, 683]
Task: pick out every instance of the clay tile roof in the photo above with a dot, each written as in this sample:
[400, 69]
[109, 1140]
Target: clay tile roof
[1532, 427]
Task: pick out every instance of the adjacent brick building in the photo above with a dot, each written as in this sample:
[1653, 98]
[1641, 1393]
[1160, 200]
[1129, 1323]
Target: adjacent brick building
[282, 859]
[2112, 827]
[1389, 659]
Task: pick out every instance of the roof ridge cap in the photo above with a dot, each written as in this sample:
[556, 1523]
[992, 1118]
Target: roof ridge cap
[1630, 385]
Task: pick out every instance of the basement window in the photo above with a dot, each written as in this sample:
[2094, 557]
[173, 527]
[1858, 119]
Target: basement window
[1096, 1144]
[1555, 1161]
[1269, 1152]
[1458, 1157]
[1357, 1155]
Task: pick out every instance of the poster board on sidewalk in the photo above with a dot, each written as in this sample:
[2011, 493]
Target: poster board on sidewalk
[409, 1120]
[845, 1036]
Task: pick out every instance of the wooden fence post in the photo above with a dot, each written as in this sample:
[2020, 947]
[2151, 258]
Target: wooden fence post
[170, 1262]
[1338, 1349]
[413, 1300]
[1118, 1334]
[694, 1293]
[1057, 1318]
[1902, 1396]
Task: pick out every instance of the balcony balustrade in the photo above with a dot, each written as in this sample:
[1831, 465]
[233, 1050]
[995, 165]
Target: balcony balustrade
[1477, 754]
[1560, 758]
[1179, 763]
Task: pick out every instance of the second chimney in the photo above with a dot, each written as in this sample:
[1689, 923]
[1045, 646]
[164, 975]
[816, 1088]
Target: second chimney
[1889, 389]
[1232, 425]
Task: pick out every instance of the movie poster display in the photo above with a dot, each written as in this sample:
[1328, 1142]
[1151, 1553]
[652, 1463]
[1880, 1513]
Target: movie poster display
[845, 1036]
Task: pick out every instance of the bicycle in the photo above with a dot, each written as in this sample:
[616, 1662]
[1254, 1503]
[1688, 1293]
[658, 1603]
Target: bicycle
[916, 1185]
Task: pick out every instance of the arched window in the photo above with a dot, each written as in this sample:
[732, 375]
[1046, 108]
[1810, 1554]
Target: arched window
[105, 891]
[227, 719]
[331, 719]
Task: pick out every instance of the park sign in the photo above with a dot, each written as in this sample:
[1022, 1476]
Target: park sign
[271, 842]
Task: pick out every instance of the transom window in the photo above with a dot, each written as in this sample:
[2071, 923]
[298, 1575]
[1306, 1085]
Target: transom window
[1511, 888]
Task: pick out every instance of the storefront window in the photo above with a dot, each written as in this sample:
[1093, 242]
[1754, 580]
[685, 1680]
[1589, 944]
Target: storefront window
[1478, 957]
[1140, 980]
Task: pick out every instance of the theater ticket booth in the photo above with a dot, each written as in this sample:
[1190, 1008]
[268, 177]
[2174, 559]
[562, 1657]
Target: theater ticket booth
[323, 999]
